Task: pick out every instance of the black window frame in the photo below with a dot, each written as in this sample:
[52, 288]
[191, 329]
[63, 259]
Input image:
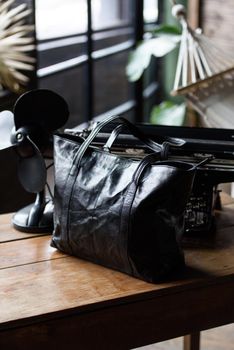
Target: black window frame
[141, 93]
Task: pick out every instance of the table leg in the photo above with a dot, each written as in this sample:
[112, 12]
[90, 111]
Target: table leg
[192, 341]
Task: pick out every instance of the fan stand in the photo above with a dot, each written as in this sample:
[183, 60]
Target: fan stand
[36, 217]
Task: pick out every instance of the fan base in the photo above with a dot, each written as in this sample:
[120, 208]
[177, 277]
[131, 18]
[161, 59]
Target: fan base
[42, 223]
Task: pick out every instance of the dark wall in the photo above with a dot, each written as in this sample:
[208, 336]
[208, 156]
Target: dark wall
[12, 195]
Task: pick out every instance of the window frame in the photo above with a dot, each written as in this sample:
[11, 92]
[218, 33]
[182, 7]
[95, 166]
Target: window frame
[141, 94]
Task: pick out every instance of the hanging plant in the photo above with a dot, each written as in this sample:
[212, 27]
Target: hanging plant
[168, 113]
[158, 43]
[15, 46]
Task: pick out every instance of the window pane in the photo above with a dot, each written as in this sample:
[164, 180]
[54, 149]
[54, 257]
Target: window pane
[57, 18]
[150, 11]
[112, 37]
[111, 87]
[130, 115]
[70, 85]
[149, 103]
[151, 72]
[110, 13]
[57, 51]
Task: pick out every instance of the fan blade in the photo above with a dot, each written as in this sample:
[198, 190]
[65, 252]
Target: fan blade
[32, 171]
[6, 126]
[42, 108]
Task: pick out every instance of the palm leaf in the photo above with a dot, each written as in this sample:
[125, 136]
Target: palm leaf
[15, 44]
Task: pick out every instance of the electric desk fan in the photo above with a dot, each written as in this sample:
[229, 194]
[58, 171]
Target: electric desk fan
[36, 115]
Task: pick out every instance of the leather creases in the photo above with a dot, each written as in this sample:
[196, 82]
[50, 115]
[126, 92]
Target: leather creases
[121, 212]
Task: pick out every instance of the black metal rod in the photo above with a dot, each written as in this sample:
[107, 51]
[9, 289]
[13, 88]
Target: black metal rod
[159, 67]
[90, 76]
[138, 86]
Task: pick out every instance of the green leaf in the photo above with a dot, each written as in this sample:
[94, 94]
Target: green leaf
[140, 58]
[168, 113]
[166, 29]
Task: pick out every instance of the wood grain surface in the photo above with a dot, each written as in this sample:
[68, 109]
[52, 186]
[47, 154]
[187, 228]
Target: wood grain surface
[27, 251]
[8, 233]
[47, 297]
[45, 280]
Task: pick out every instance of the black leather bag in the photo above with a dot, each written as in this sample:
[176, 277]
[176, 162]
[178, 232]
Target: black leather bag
[122, 213]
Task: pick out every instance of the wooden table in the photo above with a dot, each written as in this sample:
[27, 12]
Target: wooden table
[52, 301]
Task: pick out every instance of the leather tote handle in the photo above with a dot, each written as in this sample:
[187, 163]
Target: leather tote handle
[133, 185]
[135, 131]
[144, 163]
[171, 141]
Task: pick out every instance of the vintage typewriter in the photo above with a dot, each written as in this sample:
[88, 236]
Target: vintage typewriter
[201, 143]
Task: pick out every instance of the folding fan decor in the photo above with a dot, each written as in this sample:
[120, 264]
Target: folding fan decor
[205, 75]
[16, 43]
